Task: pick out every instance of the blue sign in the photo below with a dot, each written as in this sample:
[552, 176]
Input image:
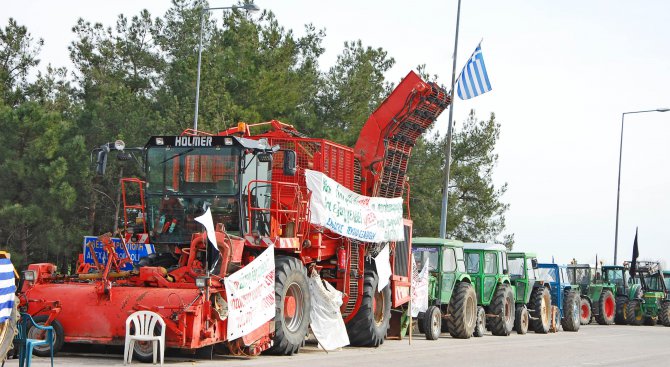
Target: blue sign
[136, 250]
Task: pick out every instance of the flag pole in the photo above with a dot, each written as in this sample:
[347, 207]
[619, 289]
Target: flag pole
[447, 165]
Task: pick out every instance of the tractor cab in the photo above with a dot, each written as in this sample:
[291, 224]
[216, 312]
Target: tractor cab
[523, 273]
[580, 274]
[616, 275]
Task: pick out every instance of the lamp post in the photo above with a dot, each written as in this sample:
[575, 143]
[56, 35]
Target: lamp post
[618, 189]
[248, 7]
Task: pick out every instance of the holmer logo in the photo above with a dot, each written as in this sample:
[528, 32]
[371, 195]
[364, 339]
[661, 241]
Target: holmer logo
[193, 141]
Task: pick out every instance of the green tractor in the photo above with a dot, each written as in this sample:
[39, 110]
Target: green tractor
[488, 268]
[649, 304]
[641, 299]
[533, 299]
[597, 298]
[451, 297]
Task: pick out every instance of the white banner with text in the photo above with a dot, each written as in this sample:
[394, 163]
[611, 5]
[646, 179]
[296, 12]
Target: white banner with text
[367, 219]
[251, 295]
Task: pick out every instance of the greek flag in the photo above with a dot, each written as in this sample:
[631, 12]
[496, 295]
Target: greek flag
[474, 80]
[7, 289]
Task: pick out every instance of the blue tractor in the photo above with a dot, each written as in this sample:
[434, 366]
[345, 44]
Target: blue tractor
[563, 295]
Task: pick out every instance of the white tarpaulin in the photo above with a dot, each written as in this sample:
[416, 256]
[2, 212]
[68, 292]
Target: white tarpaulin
[367, 219]
[383, 265]
[251, 295]
[326, 320]
[419, 288]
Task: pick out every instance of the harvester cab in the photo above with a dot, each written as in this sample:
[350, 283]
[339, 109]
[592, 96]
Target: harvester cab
[533, 297]
[597, 296]
[487, 265]
[451, 295]
[648, 304]
[563, 294]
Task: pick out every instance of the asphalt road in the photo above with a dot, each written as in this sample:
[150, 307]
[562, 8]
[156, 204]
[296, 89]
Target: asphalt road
[593, 345]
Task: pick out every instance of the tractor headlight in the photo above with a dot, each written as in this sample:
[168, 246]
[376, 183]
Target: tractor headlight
[29, 275]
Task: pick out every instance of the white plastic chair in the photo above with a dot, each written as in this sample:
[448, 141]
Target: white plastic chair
[144, 323]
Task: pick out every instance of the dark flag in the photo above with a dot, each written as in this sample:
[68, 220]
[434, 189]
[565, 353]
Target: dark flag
[636, 253]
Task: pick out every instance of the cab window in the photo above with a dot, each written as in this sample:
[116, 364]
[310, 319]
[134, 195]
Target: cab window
[490, 263]
[449, 260]
[472, 263]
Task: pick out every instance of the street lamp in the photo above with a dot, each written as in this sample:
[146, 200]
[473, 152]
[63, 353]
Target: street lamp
[618, 189]
[248, 7]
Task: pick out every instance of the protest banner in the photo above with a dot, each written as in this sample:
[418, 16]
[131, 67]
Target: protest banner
[136, 250]
[251, 295]
[368, 219]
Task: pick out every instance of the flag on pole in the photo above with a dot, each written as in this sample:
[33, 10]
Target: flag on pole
[207, 221]
[636, 253]
[473, 80]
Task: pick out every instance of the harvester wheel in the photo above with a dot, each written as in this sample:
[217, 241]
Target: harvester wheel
[521, 321]
[480, 325]
[503, 307]
[634, 314]
[584, 311]
[664, 316]
[571, 312]
[462, 311]
[293, 304]
[620, 315]
[368, 327]
[606, 308]
[8, 330]
[540, 308]
[35, 333]
[432, 323]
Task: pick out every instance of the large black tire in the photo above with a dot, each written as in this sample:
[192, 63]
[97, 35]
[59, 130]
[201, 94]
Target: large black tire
[634, 314]
[8, 330]
[521, 321]
[291, 285]
[34, 333]
[419, 322]
[462, 311]
[480, 323]
[664, 316]
[606, 308]
[571, 319]
[432, 323]
[620, 315]
[368, 327]
[584, 311]
[502, 306]
[650, 321]
[540, 310]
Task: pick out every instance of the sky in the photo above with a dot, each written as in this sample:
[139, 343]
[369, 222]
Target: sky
[562, 73]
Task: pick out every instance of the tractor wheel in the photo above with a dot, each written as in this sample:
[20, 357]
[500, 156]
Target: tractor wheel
[293, 304]
[540, 309]
[634, 314]
[584, 311]
[480, 325]
[503, 307]
[620, 315]
[556, 319]
[419, 322]
[368, 327]
[650, 321]
[432, 323]
[462, 311]
[571, 312]
[664, 316]
[606, 308]
[521, 320]
[35, 333]
[8, 330]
